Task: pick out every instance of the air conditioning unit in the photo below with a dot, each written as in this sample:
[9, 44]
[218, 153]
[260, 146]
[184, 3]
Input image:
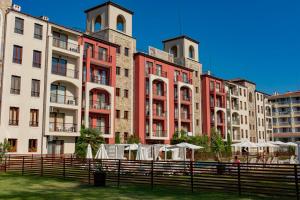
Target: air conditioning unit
[45, 18]
[71, 102]
[16, 7]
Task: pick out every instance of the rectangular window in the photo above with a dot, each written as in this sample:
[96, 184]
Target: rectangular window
[13, 145]
[197, 89]
[197, 122]
[196, 73]
[34, 117]
[88, 46]
[240, 91]
[126, 51]
[19, 25]
[125, 114]
[37, 59]
[126, 93]
[38, 31]
[59, 67]
[32, 145]
[118, 114]
[117, 92]
[15, 85]
[60, 40]
[17, 54]
[126, 72]
[13, 116]
[197, 106]
[102, 54]
[118, 70]
[118, 50]
[35, 88]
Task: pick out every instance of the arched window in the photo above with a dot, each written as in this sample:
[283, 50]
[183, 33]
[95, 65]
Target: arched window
[191, 52]
[174, 51]
[98, 24]
[121, 23]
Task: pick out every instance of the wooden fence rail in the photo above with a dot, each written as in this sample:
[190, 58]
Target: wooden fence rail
[279, 180]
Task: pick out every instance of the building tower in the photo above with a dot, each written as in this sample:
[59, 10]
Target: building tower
[186, 53]
[113, 23]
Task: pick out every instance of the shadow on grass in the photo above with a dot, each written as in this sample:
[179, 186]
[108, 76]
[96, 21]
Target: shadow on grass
[14, 186]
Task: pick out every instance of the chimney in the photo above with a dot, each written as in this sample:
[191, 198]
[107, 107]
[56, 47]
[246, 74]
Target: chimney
[45, 18]
[208, 72]
[16, 7]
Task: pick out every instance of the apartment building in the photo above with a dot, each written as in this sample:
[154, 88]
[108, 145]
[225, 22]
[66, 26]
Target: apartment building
[99, 86]
[286, 116]
[113, 23]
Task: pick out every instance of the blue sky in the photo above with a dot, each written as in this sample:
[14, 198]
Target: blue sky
[256, 40]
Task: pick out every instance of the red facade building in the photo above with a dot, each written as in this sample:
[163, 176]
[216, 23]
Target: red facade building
[163, 99]
[213, 104]
[99, 80]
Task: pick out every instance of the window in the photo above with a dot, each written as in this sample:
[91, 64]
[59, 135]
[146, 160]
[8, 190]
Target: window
[118, 50]
[242, 119]
[60, 40]
[34, 117]
[117, 92]
[126, 72]
[126, 51]
[197, 89]
[19, 25]
[13, 116]
[197, 106]
[98, 24]
[240, 91]
[37, 58]
[15, 87]
[38, 31]
[126, 93]
[102, 54]
[13, 145]
[191, 52]
[59, 67]
[118, 70]
[241, 105]
[121, 23]
[250, 97]
[125, 114]
[245, 105]
[174, 51]
[246, 120]
[196, 73]
[32, 145]
[17, 54]
[118, 114]
[197, 122]
[35, 88]
[88, 47]
[245, 93]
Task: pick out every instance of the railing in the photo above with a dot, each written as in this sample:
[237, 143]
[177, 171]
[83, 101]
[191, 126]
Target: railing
[295, 102]
[186, 116]
[296, 112]
[19, 30]
[17, 60]
[100, 80]
[99, 105]
[105, 130]
[234, 92]
[184, 80]
[186, 98]
[63, 70]
[161, 93]
[159, 113]
[297, 122]
[35, 94]
[13, 122]
[235, 122]
[15, 91]
[57, 42]
[34, 123]
[284, 123]
[284, 112]
[235, 107]
[62, 127]
[156, 72]
[63, 99]
[267, 180]
[158, 133]
[36, 64]
[101, 56]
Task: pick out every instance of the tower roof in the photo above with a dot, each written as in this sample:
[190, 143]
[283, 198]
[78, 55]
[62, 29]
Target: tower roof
[109, 3]
[181, 37]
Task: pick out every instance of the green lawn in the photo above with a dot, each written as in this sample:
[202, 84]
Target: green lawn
[29, 187]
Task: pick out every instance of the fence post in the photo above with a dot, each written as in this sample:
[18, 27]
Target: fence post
[23, 160]
[239, 179]
[42, 166]
[89, 171]
[119, 172]
[152, 174]
[192, 175]
[64, 172]
[296, 181]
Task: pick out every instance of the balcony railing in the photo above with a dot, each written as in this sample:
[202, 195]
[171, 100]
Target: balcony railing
[57, 42]
[284, 123]
[13, 122]
[35, 94]
[62, 127]
[100, 80]
[63, 99]
[99, 105]
[296, 112]
[235, 107]
[184, 80]
[296, 102]
[186, 116]
[63, 70]
[34, 123]
[15, 91]
[158, 133]
[186, 98]
[156, 72]
[105, 130]
[284, 112]
[235, 122]
[159, 93]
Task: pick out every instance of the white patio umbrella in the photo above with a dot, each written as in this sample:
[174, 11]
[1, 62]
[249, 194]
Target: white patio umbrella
[185, 146]
[278, 143]
[89, 154]
[131, 147]
[140, 154]
[266, 144]
[246, 144]
[101, 153]
[291, 144]
[165, 148]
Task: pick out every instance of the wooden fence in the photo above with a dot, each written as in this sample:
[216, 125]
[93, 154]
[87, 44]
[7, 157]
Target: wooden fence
[280, 180]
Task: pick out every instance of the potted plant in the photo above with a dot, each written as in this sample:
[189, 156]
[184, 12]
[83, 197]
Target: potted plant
[99, 176]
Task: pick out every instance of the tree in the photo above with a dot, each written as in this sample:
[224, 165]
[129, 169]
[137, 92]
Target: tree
[228, 148]
[117, 138]
[88, 136]
[133, 139]
[4, 148]
[216, 144]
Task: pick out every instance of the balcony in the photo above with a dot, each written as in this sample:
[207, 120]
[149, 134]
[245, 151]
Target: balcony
[186, 97]
[183, 79]
[62, 127]
[104, 130]
[63, 99]
[102, 56]
[158, 133]
[34, 123]
[235, 122]
[296, 112]
[99, 105]
[102, 80]
[186, 116]
[62, 44]
[13, 122]
[156, 72]
[63, 70]
[235, 107]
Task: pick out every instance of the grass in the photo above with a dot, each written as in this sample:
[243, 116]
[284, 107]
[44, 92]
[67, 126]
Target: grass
[41, 188]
